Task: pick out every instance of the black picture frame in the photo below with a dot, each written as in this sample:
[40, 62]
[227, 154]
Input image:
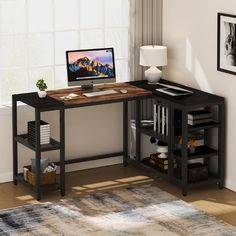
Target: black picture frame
[226, 43]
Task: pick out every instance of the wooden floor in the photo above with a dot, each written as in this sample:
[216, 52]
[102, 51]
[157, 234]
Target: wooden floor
[221, 203]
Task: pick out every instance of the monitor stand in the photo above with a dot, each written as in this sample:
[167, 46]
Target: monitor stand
[89, 88]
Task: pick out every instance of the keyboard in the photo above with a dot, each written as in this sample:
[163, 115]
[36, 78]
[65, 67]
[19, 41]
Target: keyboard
[100, 93]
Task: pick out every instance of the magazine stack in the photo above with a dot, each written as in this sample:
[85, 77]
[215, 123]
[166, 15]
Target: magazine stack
[158, 162]
[44, 132]
[199, 117]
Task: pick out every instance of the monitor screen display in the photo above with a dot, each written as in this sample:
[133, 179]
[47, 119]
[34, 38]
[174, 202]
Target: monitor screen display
[90, 64]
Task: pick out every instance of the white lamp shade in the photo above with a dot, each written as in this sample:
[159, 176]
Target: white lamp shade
[153, 55]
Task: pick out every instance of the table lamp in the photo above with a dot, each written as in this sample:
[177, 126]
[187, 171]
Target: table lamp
[153, 56]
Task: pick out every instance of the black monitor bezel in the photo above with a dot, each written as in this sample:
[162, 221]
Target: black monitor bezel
[94, 78]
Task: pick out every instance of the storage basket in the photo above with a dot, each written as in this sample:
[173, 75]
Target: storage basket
[46, 178]
[197, 172]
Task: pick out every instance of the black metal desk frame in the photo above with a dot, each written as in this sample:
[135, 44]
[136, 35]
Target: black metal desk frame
[50, 104]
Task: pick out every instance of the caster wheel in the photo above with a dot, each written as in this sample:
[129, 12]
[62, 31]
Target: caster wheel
[220, 185]
[125, 164]
[184, 193]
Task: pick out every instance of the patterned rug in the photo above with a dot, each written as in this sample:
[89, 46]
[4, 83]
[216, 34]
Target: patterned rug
[144, 210]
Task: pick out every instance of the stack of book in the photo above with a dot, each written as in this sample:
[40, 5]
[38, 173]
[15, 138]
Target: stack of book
[160, 119]
[44, 132]
[199, 117]
[161, 163]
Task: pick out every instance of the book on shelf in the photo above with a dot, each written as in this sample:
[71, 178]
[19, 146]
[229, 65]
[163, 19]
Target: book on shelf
[31, 127]
[44, 132]
[160, 119]
[199, 121]
[42, 124]
[165, 166]
[199, 114]
[155, 118]
[163, 120]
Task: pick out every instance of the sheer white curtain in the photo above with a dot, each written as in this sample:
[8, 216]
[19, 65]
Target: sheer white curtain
[145, 29]
[34, 35]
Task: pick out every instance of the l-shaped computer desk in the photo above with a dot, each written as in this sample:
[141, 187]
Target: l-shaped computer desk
[137, 91]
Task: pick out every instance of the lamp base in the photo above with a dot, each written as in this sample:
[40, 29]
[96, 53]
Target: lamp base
[153, 74]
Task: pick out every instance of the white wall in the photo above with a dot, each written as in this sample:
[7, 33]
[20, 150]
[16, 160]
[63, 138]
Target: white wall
[89, 131]
[190, 32]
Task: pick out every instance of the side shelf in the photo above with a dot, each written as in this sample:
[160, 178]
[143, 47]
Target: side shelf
[201, 151]
[53, 145]
[210, 125]
[180, 137]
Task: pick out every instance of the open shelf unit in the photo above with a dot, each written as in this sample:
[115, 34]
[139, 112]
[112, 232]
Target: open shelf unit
[40, 106]
[177, 122]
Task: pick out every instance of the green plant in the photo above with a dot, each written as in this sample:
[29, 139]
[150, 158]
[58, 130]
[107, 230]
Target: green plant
[41, 85]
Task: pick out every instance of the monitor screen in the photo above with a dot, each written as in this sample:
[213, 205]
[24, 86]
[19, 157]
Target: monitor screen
[90, 65]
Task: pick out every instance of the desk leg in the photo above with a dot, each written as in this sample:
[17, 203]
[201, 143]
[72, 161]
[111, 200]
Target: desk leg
[184, 152]
[221, 144]
[62, 151]
[137, 123]
[125, 133]
[38, 154]
[14, 134]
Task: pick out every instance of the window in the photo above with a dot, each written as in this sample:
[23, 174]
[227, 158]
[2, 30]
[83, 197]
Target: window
[34, 36]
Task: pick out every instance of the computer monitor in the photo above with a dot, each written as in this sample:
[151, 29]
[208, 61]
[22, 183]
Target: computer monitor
[89, 66]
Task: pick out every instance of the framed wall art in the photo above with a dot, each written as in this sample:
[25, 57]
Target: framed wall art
[226, 43]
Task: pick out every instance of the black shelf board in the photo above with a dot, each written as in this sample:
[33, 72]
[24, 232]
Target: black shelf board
[53, 145]
[155, 171]
[33, 100]
[209, 181]
[156, 168]
[44, 188]
[148, 130]
[209, 125]
[152, 170]
[201, 151]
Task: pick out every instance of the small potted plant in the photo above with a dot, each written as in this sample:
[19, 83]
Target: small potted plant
[42, 86]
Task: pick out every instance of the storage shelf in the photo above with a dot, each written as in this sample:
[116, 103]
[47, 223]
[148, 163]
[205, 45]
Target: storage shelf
[209, 125]
[53, 145]
[201, 151]
[149, 168]
[148, 130]
[211, 180]
[156, 168]
[44, 188]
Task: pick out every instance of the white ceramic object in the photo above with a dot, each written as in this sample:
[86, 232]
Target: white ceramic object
[162, 155]
[42, 94]
[162, 149]
[153, 75]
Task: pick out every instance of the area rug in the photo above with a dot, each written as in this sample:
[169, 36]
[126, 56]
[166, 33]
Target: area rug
[141, 210]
